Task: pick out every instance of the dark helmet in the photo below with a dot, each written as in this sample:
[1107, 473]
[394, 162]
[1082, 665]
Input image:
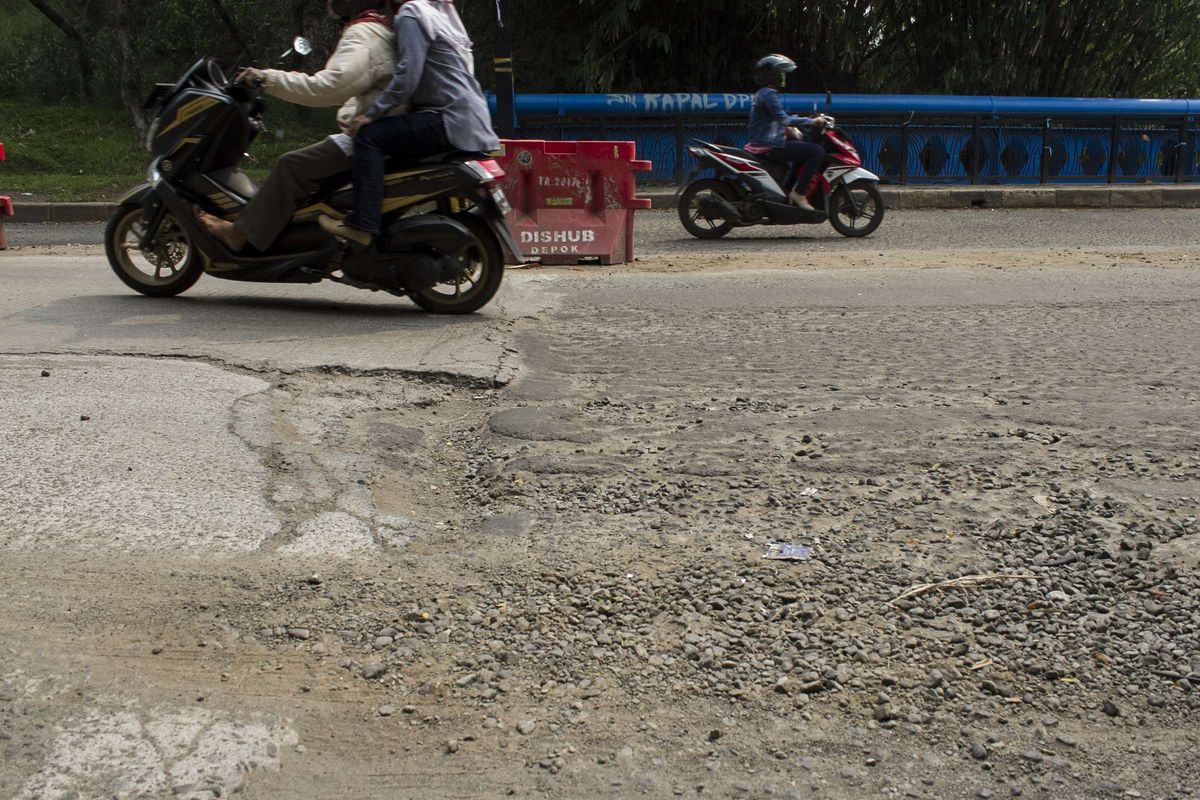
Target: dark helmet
[772, 70]
[349, 9]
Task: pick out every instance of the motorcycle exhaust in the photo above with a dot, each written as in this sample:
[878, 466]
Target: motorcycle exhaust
[715, 208]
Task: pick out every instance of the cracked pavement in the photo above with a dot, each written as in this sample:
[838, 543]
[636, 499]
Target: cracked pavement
[310, 542]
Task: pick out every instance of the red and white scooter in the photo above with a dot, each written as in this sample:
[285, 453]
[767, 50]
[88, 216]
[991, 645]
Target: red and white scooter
[748, 190]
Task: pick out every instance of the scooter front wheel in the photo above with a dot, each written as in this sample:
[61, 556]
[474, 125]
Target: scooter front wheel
[857, 209]
[691, 215]
[168, 267]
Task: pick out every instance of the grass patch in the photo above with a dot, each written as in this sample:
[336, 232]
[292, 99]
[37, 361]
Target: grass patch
[53, 188]
[63, 153]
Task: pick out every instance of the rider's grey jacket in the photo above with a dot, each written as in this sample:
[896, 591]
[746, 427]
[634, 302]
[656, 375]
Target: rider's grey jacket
[433, 75]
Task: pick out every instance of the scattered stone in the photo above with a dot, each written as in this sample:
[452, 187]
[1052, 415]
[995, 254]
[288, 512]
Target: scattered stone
[374, 670]
[1111, 709]
[387, 710]
[298, 633]
[45, 373]
[526, 726]
[978, 752]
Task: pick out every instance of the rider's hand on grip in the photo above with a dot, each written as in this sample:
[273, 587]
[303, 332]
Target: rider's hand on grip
[252, 76]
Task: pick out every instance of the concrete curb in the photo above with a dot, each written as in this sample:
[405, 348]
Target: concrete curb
[61, 212]
[932, 197]
[949, 197]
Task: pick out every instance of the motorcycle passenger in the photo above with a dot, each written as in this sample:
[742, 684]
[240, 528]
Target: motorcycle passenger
[360, 67]
[435, 84]
[768, 129]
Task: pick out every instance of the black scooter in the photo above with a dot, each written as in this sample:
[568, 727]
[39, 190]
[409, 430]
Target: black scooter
[444, 242]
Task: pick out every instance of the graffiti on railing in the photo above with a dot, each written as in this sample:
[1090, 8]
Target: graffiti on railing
[679, 102]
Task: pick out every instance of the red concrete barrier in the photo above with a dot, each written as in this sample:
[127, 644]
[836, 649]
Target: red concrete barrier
[572, 200]
[6, 209]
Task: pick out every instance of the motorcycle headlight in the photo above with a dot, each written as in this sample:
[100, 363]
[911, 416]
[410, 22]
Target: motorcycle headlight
[152, 174]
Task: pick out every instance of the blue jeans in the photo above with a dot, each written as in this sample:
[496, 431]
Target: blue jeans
[805, 155]
[405, 139]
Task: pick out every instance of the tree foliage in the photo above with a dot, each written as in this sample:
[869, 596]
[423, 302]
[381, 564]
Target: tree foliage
[113, 49]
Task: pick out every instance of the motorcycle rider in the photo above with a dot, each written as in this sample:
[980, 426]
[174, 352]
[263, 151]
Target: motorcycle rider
[435, 84]
[360, 67]
[769, 125]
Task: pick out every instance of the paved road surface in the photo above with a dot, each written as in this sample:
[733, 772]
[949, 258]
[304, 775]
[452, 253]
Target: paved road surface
[660, 233]
[307, 542]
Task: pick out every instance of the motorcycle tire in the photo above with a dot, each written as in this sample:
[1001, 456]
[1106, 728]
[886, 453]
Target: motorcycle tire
[689, 210]
[488, 258]
[848, 209]
[143, 271]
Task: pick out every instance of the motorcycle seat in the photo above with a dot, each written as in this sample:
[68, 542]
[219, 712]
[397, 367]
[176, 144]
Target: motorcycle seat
[450, 156]
[342, 180]
[742, 153]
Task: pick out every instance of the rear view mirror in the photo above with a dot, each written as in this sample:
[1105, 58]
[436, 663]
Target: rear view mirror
[300, 46]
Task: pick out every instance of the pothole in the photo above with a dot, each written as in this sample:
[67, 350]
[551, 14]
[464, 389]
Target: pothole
[359, 463]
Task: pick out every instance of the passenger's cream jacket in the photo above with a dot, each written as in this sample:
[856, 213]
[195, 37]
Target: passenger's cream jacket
[359, 69]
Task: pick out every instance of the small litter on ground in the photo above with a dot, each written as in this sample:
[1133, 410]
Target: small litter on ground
[789, 552]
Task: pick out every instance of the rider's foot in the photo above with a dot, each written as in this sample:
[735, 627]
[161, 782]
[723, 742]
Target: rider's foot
[222, 230]
[343, 231]
[801, 202]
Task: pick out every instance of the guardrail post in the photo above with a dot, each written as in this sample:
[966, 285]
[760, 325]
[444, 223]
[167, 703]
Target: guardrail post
[1112, 151]
[1046, 149]
[904, 150]
[976, 151]
[1181, 149]
[506, 114]
[678, 151]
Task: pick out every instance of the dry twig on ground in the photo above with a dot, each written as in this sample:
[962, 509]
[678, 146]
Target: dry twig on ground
[964, 582]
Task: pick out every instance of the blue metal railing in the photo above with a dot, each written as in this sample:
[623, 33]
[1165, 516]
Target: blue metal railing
[908, 138]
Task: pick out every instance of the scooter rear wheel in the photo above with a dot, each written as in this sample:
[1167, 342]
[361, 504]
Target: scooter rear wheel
[169, 267]
[482, 271]
[694, 222]
[856, 210]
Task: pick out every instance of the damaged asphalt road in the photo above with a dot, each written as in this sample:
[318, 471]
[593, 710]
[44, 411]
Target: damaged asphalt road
[311, 542]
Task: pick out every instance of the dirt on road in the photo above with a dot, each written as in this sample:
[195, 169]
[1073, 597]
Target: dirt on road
[364, 582]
